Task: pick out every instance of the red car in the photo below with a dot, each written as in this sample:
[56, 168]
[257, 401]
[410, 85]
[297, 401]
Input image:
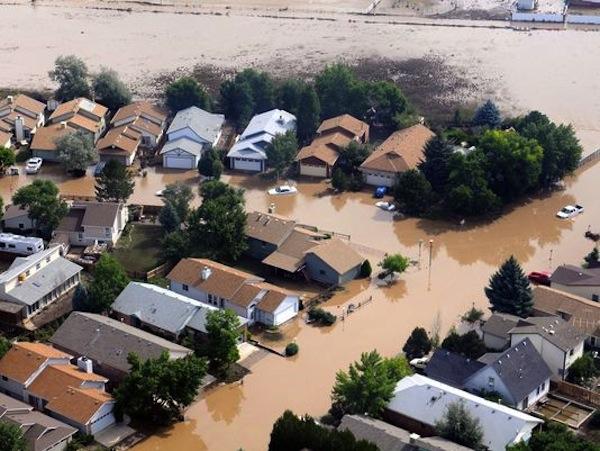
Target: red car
[540, 277]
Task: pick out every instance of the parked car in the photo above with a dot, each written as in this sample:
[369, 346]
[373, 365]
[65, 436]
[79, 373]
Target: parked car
[33, 165]
[539, 277]
[380, 191]
[282, 190]
[99, 168]
[160, 193]
[387, 206]
[570, 211]
[419, 363]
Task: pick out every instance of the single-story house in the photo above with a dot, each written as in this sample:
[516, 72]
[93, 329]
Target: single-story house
[584, 282]
[90, 222]
[162, 312]
[333, 135]
[31, 283]
[44, 377]
[107, 342]
[403, 150]
[40, 431]
[225, 287]
[191, 131]
[16, 219]
[495, 330]
[419, 402]
[249, 152]
[581, 313]
[559, 343]
[388, 437]
[82, 114]
[43, 144]
[519, 375]
[21, 116]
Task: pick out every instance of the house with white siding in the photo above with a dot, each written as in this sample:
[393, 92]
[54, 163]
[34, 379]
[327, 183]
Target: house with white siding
[249, 152]
[191, 131]
[225, 287]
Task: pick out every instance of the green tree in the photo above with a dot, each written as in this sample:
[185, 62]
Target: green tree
[249, 93]
[339, 180]
[459, 426]
[5, 345]
[340, 92]
[281, 151]
[555, 437]
[395, 263]
[418, 344]
[179, 195]
[76, 151]
[217, 169]
[366, 269]
[562, 150]
[307, 114]
[472, 315]
[509, 290]
[156, 390]
[11, 437]
[186, 92]
[168, 218]
[71, 74]
[45, 208]
[288, 95]
[262, 86]
[592, 260]
[175, 246]
[389, 103]
[206, 165]
[487, 115]
[368, 385]
[582, 370]
[216, 229]
[115, 183]
[435, 165]
[292, 433]
[468, 345]
[109, 280]
[109, 90]
[7, 159]
[413, 192]
[223, 332]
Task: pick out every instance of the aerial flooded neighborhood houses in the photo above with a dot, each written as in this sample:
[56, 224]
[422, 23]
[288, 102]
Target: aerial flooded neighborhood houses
[319, 225]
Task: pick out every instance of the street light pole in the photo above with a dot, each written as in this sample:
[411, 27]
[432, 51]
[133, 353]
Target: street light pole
[420, 246]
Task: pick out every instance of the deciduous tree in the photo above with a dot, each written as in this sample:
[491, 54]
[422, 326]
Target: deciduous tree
[76, 151]
[413, 192]
[307, 114]
[468, 345]
[509, 290]
[459, 426]
[109, 280]
[395, 263]
[5, 345]
[555, 437]
[168, 218]
[186, 92]
[223, 331]
[7, 159]
[582, 370]
[176, 246]
[281, 151]
[45, 208]
[71, 74]
[115, 184]
[418, 344]
[341, 92]
[11, 437]
[435, 165]
[179, 195]
[592, 260]
[109, 90]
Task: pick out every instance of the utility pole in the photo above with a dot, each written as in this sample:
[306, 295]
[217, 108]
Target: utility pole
[420, 246]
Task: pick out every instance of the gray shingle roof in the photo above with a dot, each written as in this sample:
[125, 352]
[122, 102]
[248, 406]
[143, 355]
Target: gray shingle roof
[521, 368]
[451, 368]
[499, 324]
[109, 341]
[185, 144]
[206, 125]
[574, 275]
[554, 329]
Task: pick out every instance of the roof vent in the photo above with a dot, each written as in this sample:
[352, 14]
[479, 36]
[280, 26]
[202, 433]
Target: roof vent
[10, 99]
[205, 273]
[551, 332]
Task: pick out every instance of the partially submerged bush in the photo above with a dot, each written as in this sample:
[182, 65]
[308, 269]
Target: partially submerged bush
[321, 316]
[291, 349]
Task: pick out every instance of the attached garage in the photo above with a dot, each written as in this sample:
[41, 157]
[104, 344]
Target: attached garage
[313, 170]
[380, 178]
[183, 153]
[178, 161]
[247, 164]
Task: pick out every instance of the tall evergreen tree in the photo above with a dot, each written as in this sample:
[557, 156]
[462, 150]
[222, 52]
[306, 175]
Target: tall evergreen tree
[169, 218]
[488, 115]
[459, 426]
[509, 290]
[115, 184]
[435, 165]
[308, 113]
[418, 344]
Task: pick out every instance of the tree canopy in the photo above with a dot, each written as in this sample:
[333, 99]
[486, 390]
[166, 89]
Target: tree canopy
[468, 345]
[7, 159]
[168, 218]
[71, 75]
[179, 195]
[186, 92]
[459, 426]
[5, 345]
[509, 290]
[418, 344]
[109, 90]
[592, 260]
[109, 280]
[210, 164]
[11, 437]
[368, 385]
[487, 115]
[555, 437]
[395, 263]
[300, 99]
[115, 183]
[583, 370]
[223, 331]
[45, 208]
[281, 151]
[156, 390]
[413, 192]
[435, 165]
[76, 151]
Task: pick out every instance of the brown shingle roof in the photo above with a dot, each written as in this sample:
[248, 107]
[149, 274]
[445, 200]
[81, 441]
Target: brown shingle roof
[321, 152]
[117, 140]
[246, 294]
[73, 106]
[402, 151]
[45, 137]
[56, 379]
[268, 228]
[4, 137]
[272, 298]
[346, 122]
[25, 102]
[24, 358]
[136, 109]
[79, 404]
[337, 254]
[80, 121]
[290, 254]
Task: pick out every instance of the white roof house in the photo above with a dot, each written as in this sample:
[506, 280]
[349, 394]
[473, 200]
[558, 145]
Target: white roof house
[426, 400]
[249, 152]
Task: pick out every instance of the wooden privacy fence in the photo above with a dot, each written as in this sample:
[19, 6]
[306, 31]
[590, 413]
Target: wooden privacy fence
[159, 271]
[576, 393]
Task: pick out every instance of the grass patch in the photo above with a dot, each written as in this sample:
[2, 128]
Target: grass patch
[139, 250]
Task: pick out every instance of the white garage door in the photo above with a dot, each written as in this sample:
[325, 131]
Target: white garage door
[178, 162]
[313, 171]
[379, 179]
[245, 164]
[284, 315]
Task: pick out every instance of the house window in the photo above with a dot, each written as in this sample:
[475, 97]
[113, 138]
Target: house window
[491, 381]
[38, 266]
[537, 392]
[80, 235]
[12, 246]
[543, 386]
[29, 248]
[107, 231]
[595, 298]
[322, 272]
[21, 225]
[4, 378]
[27, 272]
[185, 287]
[47, 259]
[571, 351]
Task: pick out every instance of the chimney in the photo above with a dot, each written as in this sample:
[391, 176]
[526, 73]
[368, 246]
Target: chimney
[63, 124]
[19, 131]
[9, 99]
[205, 273]
[85, 364]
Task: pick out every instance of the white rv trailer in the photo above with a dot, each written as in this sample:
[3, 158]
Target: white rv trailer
[20, 245]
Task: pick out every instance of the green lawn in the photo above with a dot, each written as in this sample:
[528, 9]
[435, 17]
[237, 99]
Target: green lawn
[139, 250]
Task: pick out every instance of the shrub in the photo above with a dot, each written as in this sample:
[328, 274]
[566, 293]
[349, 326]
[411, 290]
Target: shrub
[365, 269]
[321, 316]
[291, 349]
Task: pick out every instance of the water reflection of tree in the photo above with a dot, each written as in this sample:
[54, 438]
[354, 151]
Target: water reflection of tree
[395, 291]
[224, 402]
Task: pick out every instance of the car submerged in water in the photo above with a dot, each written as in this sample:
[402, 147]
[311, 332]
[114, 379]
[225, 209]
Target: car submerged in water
[570, 211]
[33, 165]
[283, 190]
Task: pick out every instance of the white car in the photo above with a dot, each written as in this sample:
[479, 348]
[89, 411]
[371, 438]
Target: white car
[160, 193]
[419, 363]
[282, 190]
[569, 211]
[33, 165]
[387, 206]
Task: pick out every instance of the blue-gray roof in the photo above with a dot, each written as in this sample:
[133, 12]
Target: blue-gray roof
[206, 125]
[185, 144]
[451, 368]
